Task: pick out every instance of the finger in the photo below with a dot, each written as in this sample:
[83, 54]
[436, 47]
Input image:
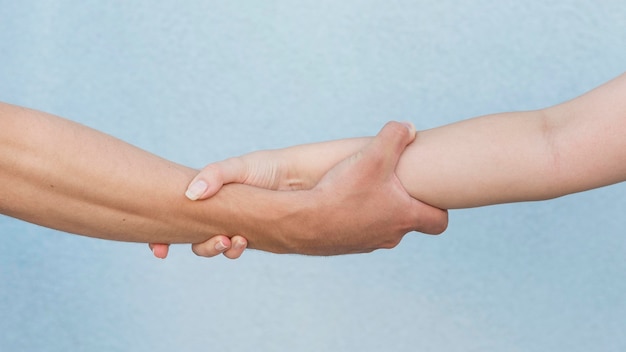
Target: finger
[237, 248]
[212, 247]
[214, 176]
[160, 250]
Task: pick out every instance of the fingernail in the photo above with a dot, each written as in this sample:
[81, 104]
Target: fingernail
[220, 246]
[238, 245]
[408, 125]
[411, 128]
[196, 190]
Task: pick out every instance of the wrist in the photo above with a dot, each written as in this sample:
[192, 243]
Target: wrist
[272, 221]
[297, 223]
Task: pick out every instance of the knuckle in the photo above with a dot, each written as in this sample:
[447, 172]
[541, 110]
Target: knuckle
[212, 171]
[235, 168]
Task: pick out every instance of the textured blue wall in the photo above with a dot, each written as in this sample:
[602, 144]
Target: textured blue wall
[197, 81]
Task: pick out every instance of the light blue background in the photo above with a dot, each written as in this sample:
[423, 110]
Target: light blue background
[198, 81]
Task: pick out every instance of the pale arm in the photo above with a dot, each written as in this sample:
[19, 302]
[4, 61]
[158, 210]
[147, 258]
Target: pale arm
[500, 158]
[521, 156]
[571, 147]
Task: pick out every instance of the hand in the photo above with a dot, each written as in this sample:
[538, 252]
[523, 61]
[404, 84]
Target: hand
[294, 168]
[264, 169]
[260, 169]
[358, 206]
[362, 203]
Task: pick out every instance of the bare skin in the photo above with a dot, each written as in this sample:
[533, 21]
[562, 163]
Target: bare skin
[511, 157]
[63, 175]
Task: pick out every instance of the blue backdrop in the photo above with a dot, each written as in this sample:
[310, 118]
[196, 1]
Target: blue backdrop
[198, 81]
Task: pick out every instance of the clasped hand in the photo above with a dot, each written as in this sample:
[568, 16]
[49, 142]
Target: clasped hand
[350, 198]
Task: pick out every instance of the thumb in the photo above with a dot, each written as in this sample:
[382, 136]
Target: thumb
[391, 141]
[214, 176]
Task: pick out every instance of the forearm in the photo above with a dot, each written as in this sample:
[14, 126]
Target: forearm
[536, 155]
[487, 160]
[500, 158]
[63, 175]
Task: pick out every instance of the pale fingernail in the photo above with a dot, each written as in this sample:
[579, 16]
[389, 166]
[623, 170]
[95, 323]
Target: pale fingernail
[238, 245]
[220, 246]
[196, 190]
[408, 125]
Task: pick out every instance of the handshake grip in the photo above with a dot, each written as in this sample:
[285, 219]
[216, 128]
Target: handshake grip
[358, 204]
